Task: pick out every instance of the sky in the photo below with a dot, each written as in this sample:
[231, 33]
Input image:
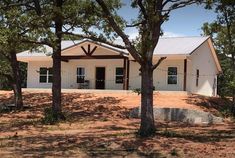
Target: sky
[185, 21]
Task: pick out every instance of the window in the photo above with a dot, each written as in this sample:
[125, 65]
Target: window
[197, 78]
[80, 75]
[119, 75]
[45, 75]
[172, 75]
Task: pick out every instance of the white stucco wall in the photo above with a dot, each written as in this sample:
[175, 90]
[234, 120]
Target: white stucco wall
[33, 74]
[69, 72]
[159, 75]
[202, 60]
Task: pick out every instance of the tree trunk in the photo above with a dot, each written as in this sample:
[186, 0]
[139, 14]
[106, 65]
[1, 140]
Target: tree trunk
[16, 82]
[147, 126]
[233, 102]
[56, 85]
[233, 91]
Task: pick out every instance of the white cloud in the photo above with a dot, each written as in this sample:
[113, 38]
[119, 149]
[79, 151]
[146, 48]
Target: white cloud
[131, 32]
[172, 34]
[133, 35]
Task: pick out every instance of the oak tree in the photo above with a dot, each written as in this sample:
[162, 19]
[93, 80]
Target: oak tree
[152, 14]
[222, 30]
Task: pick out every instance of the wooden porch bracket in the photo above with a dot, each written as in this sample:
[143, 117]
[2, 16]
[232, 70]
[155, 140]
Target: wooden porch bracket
[185, 74]
[89, 52]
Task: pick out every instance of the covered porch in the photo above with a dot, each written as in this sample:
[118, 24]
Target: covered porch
[98, 66]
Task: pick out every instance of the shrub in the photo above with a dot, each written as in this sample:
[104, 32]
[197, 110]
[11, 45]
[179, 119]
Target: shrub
[138, 90]
[52, 117]
[174, 152]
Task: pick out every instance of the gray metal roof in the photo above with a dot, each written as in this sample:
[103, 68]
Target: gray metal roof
[178, 45]
[166, 46]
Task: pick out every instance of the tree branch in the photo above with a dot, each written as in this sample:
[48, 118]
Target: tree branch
[37, 7]
[137, 24]
[158, 63]
[178, 5]
[37, 42]
[167, 1]
[118, 30]
[142, 9]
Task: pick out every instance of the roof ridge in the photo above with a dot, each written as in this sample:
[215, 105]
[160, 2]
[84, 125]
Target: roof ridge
[187, 37]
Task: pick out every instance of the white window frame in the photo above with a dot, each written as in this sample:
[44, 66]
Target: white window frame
[47, 75]
[119, 75]
[172, 75]
[83, 75]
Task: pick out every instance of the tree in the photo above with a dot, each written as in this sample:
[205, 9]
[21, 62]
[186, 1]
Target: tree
[152, 14]
[10, 29]
[223, 33]
[51, 20]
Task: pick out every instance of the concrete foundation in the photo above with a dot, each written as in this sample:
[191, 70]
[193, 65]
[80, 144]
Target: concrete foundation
[181, 115]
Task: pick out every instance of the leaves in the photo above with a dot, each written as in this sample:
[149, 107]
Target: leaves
[223, 33]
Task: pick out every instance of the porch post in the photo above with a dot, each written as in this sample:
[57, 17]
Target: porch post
[185, 74]
[128, 74]
[124, 74]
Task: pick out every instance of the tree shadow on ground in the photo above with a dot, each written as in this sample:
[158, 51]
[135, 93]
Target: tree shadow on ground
[216, 105]
[108, 131]
[77, 107]
[102, 108]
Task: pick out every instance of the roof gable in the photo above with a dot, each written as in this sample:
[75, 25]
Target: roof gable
[98, 47]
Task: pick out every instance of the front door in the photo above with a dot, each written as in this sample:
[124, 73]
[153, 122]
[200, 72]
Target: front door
[100, 78]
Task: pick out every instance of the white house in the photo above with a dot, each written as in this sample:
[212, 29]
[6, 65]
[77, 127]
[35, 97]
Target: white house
[191, 65]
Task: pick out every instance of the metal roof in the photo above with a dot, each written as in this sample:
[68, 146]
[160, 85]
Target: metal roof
[178, 45]
[166, 46]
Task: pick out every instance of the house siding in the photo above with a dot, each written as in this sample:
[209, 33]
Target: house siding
[159, 75]
[202, 60]
[69, 72]
[33, 74]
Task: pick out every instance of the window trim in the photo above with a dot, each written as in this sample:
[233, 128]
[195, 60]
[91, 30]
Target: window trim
[47, 75]
[84, 75]
[172, 75]
[119, 75]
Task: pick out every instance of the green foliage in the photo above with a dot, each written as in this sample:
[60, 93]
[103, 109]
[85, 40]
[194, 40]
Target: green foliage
[174, 152]
[52, 117]
[137, 90]
[168, 133]
[222, 32]
[226, 113]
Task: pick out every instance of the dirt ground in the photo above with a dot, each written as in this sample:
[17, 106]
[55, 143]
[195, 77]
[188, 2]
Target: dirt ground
[98, 125]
